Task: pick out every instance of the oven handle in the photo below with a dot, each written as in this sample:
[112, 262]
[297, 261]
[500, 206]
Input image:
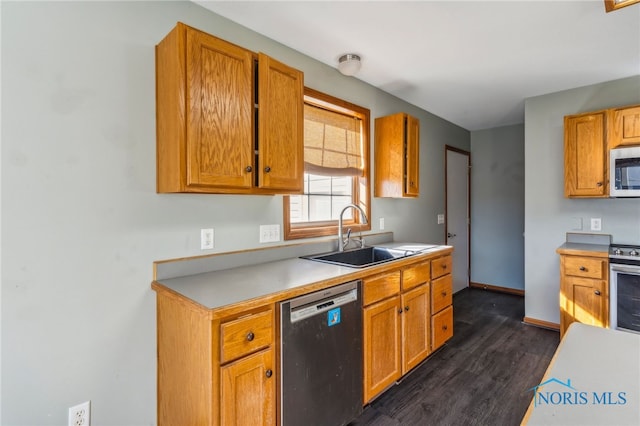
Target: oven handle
[631, 269]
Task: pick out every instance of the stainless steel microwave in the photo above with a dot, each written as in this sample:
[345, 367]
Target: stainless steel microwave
[624, 172]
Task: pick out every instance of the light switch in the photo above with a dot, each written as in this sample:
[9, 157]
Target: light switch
[440, 218]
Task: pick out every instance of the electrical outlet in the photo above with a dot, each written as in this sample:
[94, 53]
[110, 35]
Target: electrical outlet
[269, 233]
[381, 223]
[440, 218]
[80, 415]
[206, 239]
[596, 224]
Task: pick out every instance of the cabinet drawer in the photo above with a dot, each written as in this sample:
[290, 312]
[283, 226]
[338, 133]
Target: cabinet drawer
[587, 267]
[245, 335]
[441, 290]
[380, 287]
[440, 266]
[441, 327]
[416, 275]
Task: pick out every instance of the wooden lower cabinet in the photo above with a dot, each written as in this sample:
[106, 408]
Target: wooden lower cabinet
[415, 327]
[584, 291]
[382, 359]
[214, 372]
[442, 327]
[248, 392]
[397, 326]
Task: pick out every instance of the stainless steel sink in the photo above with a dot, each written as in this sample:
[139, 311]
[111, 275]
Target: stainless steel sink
[361, 258]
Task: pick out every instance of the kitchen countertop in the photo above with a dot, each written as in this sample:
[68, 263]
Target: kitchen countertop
[217, 289]
[599, 371]
[583, 249]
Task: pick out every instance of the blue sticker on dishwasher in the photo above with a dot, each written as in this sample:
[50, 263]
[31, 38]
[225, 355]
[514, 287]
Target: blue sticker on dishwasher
[333, 317]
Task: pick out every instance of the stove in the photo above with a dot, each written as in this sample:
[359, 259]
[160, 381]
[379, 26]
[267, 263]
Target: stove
[624, 287]
[624, 252]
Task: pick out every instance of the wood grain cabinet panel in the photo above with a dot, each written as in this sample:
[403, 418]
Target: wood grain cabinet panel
[381, 338]
[585, 155]
[415, 327]
[211, 137]
[380, 287]
[442, 327]
[397, 156]
[246, 335]
[624, 126]
[584, 291]
[442, 293]
[440, 266]
[248, 395]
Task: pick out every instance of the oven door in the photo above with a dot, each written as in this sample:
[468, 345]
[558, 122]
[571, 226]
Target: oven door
[624, 297]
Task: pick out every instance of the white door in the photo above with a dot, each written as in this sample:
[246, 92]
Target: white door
[457, 213]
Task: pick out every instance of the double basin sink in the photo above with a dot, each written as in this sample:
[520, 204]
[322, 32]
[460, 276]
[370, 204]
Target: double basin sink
[363, 257]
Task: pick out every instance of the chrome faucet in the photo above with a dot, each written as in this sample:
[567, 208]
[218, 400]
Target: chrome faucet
[342, 243]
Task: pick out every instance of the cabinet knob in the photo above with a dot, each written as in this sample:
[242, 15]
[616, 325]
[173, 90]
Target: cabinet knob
[399, 310]
[598, 183]
[406, 308]
[444, 293]
[582, 268]
[248, 169]
[444, 327]
[268, 373]
[250, 336]
[267, 169]
[597, 292]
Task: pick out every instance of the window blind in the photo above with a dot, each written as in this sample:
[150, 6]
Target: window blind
[332, 143]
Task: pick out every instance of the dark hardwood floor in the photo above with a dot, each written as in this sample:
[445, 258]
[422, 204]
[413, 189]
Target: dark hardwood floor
[480, 377]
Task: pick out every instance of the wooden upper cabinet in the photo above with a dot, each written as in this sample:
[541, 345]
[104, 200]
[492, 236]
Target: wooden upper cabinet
[585, 155]
[208, 139]
[624, 126]
[280, 134]
[397, 156]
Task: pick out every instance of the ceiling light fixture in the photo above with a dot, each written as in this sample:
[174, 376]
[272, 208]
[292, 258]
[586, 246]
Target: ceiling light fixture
[349, 64]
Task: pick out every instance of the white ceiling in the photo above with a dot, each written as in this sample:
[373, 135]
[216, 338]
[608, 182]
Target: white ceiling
[470, 62]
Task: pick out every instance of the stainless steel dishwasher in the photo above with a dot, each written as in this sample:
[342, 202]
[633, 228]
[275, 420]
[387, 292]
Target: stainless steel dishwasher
[321, 357]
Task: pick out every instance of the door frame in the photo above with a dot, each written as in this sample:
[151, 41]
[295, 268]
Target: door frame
[446, 212]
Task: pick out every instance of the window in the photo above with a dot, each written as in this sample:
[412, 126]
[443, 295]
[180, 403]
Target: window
[336, 168]
[611, 5]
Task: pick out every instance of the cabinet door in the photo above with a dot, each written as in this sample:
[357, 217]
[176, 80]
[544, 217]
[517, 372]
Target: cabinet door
[442, 327]
[583, 300]
[584, 156]
[415, 327]
[382, 361]
[624, 128]
[412, 152]
[248, 391]
[280, 130]
[219, 78]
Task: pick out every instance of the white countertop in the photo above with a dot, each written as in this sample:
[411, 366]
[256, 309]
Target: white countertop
[221, 288]
[593, 379]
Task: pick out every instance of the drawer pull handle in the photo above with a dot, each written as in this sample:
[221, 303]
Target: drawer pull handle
[250, 336]
[598, 183]
[444, 293]
[582, 268]
[444, 327]
[268, 373]
[597, 292]
[406, 308]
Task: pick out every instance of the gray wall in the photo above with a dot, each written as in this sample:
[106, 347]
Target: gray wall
[81, 222]
[497, 206]
[548, 215]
